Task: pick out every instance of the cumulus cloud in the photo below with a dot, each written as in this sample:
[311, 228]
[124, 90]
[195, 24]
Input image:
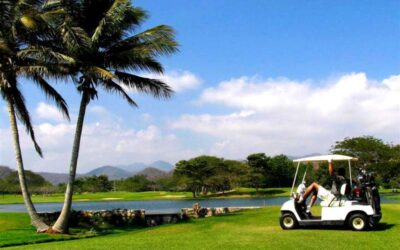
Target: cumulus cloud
[48, 112]
[296, 117]
[179, 81]
[104, 142]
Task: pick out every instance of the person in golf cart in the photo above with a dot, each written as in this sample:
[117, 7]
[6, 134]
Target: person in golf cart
[319, 191]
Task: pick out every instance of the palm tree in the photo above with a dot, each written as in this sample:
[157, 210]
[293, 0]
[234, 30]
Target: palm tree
[98, 35]
[21, 23]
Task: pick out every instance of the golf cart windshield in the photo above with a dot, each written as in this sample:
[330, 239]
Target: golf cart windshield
[319, 159]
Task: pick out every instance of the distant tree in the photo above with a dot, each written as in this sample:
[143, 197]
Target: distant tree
[137, 183]
[368, 149]
[167, 184]
[259, 161]
[395, 184]
[94, 184]
[255, 179]
[221, 179]
[196, 173]
[281, 171]
[36, 182]
[237, 171]
[260, 168]
[373, 154]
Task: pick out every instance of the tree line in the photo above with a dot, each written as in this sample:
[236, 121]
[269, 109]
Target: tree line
[203, 175]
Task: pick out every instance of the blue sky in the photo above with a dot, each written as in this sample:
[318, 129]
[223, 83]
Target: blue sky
[255, 76]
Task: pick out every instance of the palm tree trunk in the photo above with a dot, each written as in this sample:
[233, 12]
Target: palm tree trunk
[61, 225]
[36, 221]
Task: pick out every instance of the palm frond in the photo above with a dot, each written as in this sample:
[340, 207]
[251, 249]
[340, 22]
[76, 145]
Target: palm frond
[134, 60]
[149, 86]
[4, 47]
[43, 54]
[28, 21]
[111, 86]
[99, 72]
[159, 40]
[6, 12]
[24, 117]
[52, 94]
[51, 71]
[118, 18]
[75, 38]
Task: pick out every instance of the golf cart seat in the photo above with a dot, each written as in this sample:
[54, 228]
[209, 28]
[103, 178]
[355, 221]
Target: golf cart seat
[339, 200]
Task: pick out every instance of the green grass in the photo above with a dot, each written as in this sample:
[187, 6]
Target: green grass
[396, 197]
[157, 195]
[15, 229]
[101, 196]
[252, 192]
[256, 229]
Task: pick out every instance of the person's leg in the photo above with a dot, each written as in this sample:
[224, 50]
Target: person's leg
[312, 201]
[310, 189]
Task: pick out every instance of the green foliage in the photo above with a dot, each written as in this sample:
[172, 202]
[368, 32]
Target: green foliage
[208, 173]
[259, 161]
[373, 154]
[106, 50]
[137, 183]
[23, 25]
[93, 184]
[281, 171]
[369, 150]
[36, 183]
[265, 171]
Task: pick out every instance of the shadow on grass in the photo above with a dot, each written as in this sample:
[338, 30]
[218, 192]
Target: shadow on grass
[383, 227]
[84, 233]
[379, 227]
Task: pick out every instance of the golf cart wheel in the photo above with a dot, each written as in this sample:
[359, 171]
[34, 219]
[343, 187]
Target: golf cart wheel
[358, 222]
[288, 221]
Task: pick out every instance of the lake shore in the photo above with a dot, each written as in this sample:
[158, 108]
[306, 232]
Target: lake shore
[156, 195]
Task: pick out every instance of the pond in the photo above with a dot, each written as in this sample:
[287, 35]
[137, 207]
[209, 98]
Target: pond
[158, 206]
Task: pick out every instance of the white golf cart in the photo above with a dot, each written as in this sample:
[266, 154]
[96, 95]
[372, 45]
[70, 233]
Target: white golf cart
[359, 213]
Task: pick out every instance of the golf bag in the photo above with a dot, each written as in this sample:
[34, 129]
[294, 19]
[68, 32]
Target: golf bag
[369, 190]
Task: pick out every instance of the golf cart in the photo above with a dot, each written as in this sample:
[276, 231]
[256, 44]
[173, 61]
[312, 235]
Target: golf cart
[359, 208]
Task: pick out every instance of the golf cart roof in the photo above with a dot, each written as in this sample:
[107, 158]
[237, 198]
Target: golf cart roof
[323, 158]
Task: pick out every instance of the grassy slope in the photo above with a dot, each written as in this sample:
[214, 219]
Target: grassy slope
[257, 229]
[158, 195]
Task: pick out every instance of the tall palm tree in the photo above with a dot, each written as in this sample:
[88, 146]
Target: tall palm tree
[21, 23]
[98, 35]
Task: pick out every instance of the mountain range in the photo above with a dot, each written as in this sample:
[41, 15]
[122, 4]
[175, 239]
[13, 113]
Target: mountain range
[153, 171]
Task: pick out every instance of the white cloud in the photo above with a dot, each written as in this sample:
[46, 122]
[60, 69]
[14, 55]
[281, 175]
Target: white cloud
[292, 117]
[179, 81]
[104, 141]
[48, 112]
[272, 116]
[146, 117]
